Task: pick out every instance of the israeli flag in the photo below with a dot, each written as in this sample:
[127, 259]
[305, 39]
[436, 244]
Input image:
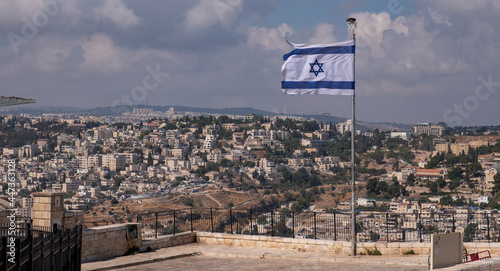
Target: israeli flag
[319, 69]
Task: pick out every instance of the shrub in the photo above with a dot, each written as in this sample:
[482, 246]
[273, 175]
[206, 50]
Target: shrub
[132, 251]
[374, 251]
[409, 252]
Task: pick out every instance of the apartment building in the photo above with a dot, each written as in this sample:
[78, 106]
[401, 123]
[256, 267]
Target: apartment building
[429, 129]
[114, 161]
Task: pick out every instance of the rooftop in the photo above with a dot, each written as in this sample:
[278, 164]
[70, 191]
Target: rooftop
[219, 257]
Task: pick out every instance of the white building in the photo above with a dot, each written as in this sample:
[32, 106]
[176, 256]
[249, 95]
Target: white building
[402, 135]
[209, 142]
[114, 161]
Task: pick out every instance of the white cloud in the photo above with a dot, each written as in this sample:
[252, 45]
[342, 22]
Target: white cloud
[118, 13]
[438, 17]
[269, 38]
[208, 13]
[371, 28]
[323, 34]
[11, 12]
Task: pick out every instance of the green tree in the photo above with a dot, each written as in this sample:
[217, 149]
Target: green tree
[411, 179]
[496, 184]
[441, 182]
[377, 155]
[433, 186]
[469, 232]
[455, 173]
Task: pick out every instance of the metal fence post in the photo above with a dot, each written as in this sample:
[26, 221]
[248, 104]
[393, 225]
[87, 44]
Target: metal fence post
[191, 213]
[174, 222]
[420, 226]
[211, 220]
[293, 224]
[272, 223]
[231, 219]
[314, 225]
[387, 226]
[488, 222]
[251, 228]
[453, 220]
[334, 226]
[156, 224]
[30, 237]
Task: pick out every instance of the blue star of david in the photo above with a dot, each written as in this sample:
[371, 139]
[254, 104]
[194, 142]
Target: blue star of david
[320, 66]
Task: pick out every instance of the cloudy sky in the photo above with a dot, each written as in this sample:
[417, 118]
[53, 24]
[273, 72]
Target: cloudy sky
[416, 61]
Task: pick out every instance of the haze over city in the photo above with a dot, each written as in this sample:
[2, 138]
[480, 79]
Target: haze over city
[430, 61]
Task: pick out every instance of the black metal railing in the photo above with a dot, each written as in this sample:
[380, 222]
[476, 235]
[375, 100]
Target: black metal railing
[40, 248]
[371, 226]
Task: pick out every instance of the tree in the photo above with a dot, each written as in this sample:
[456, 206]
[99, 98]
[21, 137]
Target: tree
[455, 173]
[255, 174]
[262, 179]
[469, 232]
[433, 186]
[288, 196]
[377, 155]
[453, 184]
[411, 179]
[441, 182]
[496, 183]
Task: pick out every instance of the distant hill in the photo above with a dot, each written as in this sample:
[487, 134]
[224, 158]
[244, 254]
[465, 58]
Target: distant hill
[111, 111]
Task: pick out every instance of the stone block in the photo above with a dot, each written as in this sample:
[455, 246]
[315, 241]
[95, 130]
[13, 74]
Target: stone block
[102, 236]
[44, 199]
[393, 251]
[393, 245]
[41, 215]
[321, 242]
[303, 241]
[406, 245]
[383, 250]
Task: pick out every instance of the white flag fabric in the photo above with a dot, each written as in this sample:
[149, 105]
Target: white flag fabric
[319, 69]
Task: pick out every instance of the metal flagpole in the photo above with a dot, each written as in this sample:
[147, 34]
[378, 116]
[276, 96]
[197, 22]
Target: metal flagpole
[351, 23]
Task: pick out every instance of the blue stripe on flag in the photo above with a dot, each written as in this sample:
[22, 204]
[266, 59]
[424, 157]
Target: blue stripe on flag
[317, 84]
[321, 50]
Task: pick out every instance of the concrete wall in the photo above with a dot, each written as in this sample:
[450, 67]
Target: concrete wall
[108, 241]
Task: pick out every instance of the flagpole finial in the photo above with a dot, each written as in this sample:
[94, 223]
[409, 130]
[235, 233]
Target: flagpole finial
[352, 24]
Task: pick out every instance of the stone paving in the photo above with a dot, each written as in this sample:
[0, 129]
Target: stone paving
[219, 257]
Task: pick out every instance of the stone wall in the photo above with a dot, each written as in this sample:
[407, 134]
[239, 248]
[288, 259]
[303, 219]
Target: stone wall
[330, 246]
[111, 241]
[48, 209]
[169, 241]
[108, 241]
[73, 218]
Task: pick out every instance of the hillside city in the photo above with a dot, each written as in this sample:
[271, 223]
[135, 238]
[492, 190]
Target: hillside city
[114, 168]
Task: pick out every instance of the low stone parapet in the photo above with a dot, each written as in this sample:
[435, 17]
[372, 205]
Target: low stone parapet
[169, 241]
[110, 241]
[309, 245]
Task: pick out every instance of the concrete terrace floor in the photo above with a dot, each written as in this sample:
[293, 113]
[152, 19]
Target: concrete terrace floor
[219, 257]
